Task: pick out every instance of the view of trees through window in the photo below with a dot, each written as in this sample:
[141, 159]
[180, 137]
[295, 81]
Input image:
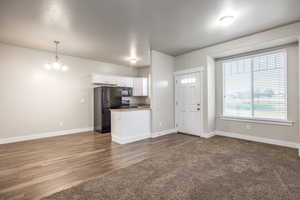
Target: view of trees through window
[256, 86]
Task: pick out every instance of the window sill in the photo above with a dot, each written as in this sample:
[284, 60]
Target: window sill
[259, 121]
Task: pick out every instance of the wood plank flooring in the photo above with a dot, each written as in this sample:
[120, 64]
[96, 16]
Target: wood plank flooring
[37, 168]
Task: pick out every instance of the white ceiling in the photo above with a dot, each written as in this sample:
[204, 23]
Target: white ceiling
[113, 30]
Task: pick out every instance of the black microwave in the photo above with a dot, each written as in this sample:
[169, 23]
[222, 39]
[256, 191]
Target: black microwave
[126, 91]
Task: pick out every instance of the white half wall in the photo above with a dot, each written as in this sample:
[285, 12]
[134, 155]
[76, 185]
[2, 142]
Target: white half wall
[35, 101]
[162, 98]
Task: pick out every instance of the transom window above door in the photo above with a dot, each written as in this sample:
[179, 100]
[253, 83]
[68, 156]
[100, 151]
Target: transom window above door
[188, 80]
[255, 87]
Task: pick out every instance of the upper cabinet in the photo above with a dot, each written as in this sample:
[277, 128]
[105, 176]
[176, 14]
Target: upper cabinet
[139, 85]
[124, 81]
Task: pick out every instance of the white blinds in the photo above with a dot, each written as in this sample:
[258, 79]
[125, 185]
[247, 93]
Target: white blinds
[256, 86]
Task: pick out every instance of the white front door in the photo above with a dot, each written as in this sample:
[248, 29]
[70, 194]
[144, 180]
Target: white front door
[188, 103]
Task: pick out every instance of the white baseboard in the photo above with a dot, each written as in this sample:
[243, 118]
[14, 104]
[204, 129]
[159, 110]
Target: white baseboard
[44, 135]
[164, 132]
[129, 139]
[207, 135]
[259, 139]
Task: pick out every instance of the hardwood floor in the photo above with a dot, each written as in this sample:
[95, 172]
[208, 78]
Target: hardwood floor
[37, 168]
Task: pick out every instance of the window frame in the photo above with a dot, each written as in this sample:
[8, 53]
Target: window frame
[253, 119]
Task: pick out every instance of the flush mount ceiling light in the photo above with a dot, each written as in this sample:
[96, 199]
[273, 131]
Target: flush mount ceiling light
[226, 20]
[133, 60]
[57, 65]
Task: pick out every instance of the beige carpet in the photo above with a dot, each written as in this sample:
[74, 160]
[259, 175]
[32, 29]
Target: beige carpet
[217, 168]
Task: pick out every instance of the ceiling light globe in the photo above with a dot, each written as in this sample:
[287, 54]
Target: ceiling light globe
[65, 68]
[226, 20]
[48, 67]
[133, 60]
[56, 66]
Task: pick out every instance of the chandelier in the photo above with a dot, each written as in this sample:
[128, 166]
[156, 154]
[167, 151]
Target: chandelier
[57, 65]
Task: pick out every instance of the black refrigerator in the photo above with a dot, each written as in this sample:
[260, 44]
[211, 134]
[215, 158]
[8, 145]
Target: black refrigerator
[105, 98]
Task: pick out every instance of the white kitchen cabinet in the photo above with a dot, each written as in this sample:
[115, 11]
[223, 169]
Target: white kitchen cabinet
[122, 82]
[145, 87]
[136, 91]
[128, 82]
[104, 79]
[96, 78]
[140, 87]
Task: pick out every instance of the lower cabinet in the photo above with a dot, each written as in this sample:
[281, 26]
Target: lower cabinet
[130, 125]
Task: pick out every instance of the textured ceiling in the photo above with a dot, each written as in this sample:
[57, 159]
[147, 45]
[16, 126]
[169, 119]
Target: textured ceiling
[113, 30]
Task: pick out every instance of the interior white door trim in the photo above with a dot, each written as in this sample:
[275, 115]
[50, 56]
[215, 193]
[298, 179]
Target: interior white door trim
[188, 71]
[191, 70]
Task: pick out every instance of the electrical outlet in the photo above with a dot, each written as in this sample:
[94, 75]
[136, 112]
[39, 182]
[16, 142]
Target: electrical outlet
[61, 124]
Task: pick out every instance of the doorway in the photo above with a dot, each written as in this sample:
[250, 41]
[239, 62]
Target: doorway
[188, 101]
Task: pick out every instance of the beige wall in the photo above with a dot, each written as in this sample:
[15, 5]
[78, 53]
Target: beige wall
[285, 133]
[34, 100]
[271, 38]
[143, 71]
[162, 98]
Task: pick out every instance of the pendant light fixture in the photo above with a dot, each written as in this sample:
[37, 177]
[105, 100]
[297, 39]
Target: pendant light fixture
[57, 65]
[226, 20]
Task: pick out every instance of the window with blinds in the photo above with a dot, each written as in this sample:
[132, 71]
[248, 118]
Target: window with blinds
[256, 86]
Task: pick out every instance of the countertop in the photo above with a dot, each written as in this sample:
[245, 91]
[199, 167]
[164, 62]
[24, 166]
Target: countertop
[130, 109]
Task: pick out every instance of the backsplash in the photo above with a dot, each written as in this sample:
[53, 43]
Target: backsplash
[138, 100]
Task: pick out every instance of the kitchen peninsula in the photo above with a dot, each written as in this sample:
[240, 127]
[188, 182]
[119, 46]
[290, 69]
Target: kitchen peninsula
[130, 124]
